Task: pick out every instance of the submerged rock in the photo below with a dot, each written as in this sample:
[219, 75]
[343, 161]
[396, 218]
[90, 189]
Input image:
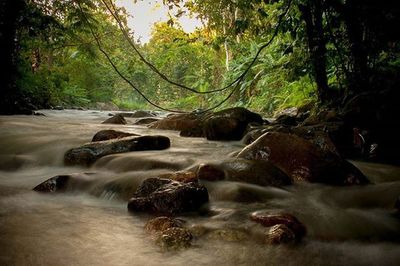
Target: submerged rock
[162, 223]
[110, 134]
[175, 238]
[284, 227]
[116, 119]
[54, 184]
[166, 196]
[146, 121]
[280, 234]
[181, 176]
[302, 160]
[89, 153]
[261, 173]
[61, 183]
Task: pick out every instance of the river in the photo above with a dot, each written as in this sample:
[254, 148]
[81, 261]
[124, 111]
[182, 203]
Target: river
[90, 225]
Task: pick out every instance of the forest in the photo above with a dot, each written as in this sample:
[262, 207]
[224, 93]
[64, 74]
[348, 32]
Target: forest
[324, 52]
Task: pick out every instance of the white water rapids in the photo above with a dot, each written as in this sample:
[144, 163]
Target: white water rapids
[90, 225]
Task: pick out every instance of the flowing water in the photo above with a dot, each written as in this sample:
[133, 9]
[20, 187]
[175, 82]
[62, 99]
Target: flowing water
[90, 225]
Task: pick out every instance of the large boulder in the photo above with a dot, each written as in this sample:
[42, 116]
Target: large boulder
[301, 160]
[261, 173]
[169, 197]
[179, 122]
[108, 134]
[89, 153]
[229, 124]
[116, 119]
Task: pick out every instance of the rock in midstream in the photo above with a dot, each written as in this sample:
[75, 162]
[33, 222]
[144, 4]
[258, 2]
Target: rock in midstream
[283, 227]
[60, 183]
[302, 160]
[169, 197]
[89, 153]
[116, 119]
[162, 223]
[261, 173]
[175, 238]
[228, 124]
[108, 134]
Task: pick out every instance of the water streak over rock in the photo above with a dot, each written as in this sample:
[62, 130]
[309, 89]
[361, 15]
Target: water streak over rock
[261, 173]
[110, 134]
[89, 153]
[166, 196]
[302, 160]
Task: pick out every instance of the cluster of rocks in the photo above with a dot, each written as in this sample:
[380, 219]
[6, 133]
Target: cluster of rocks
[296, 147]
[140, 118]
[228, 124]
[282, 227]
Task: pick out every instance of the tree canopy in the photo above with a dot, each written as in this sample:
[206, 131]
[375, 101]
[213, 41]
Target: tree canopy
[325, 51]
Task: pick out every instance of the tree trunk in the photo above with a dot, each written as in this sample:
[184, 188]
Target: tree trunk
[358, 75]
[10, 11]
[312, 14]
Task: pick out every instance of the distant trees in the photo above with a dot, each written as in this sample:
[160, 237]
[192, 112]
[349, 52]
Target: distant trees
[325, 50]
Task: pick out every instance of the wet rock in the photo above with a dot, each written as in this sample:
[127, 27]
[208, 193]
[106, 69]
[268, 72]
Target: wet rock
[320, 135]
[179, 122]
[60, 183]
[58, 107]
[141, 113]
[198, 230]
[181, 176]
[110, 134]
[55, 184]
[146, 121]
[289, 225]
[257, 132]
[194, 132]
[116, 119]
[301, 160]
[166, 196]
[162, 223]
[280, 234]
[210, 172]
[261, 173]
[229, 124]
[89, 153]
[175, 238]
